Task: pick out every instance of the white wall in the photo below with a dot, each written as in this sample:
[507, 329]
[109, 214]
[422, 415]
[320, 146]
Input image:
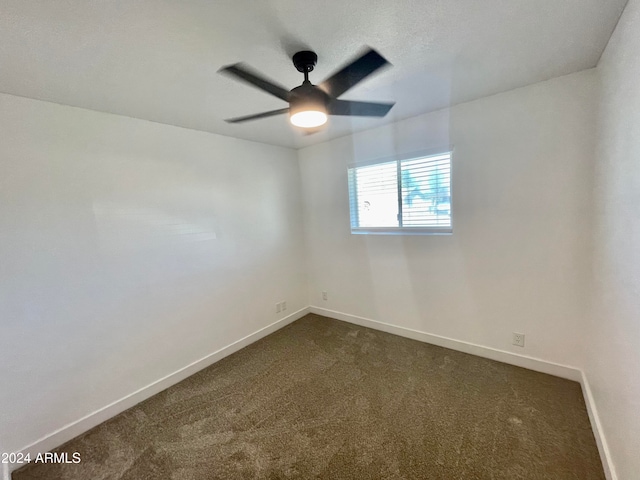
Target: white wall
[613, 341]
[128, 250]
[518, 258]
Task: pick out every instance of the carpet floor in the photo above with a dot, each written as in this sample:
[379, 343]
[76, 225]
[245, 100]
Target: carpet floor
[326, 399]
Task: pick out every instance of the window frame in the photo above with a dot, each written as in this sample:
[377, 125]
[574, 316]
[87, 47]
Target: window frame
[400, 230]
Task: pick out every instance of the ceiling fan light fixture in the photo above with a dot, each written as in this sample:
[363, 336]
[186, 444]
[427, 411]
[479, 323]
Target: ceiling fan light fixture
[308, 106]
[309, 118]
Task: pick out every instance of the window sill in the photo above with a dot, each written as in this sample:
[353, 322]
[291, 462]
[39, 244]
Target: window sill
[402, 231]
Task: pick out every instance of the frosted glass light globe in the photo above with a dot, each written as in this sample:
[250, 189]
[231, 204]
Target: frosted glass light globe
[309, 118]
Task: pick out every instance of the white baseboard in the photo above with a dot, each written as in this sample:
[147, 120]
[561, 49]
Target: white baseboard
[598, 433]
[524, 361]
[72, 430]
[531, 363]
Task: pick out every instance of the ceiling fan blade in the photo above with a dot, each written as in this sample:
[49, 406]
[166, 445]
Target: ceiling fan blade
[257, 116]
[361, 109]
[257, 80]
[353, 73]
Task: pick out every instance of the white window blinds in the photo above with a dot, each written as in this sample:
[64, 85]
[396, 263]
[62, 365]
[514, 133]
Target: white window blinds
[402, 196]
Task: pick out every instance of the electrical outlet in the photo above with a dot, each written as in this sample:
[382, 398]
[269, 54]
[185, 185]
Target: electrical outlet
[284, 306]
[324, 296]
[518, 339]
[278, 307]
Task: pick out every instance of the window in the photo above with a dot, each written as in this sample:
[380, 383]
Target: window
[404, 195]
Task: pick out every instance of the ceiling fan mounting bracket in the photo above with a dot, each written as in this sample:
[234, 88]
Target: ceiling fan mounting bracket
[305, 61]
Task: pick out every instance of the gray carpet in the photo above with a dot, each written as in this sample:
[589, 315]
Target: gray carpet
[326, 399]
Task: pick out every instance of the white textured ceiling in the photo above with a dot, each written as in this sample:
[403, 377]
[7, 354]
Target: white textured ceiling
[157, 59]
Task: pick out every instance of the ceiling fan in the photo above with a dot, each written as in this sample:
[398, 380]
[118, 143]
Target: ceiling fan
[310, 104]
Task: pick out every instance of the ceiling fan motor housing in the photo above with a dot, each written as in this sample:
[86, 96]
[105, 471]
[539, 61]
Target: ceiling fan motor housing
[308, 97]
